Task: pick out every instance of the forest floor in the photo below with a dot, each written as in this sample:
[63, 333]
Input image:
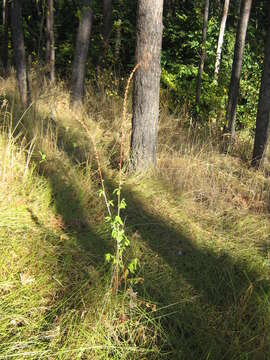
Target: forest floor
[199, 225]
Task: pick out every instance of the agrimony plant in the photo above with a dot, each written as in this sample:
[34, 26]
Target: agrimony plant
[120, 270]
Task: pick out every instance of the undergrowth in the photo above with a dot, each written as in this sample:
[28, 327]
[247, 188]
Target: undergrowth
[199, 226]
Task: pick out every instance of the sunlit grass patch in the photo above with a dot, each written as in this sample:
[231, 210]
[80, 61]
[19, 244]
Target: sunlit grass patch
[199, 226]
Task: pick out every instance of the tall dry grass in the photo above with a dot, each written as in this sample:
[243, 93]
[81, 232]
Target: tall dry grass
[199, 224]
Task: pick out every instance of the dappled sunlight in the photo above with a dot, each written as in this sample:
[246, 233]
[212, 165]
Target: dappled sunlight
[198, 225]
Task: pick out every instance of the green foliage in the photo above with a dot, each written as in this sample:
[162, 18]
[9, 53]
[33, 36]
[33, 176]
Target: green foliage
[122, 242]
[43, 157]
[180, 55]
[180, 59]
[250, 87]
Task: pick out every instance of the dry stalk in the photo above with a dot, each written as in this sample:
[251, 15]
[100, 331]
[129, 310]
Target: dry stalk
[115, 276]
[124, 115]
[98, 162]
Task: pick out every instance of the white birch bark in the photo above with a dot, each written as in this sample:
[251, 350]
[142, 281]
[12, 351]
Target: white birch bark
[221, 36]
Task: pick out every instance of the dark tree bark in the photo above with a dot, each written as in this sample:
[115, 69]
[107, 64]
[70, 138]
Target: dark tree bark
[146, 84]
[118, 39]
[263, 113]
[19, 51]
[81, 52]
[203, 52]
[237, 65]
[221, 36]
[107, 21]
[50, 51]
[5, 37]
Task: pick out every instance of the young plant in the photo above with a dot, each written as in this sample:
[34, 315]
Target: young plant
[120, 271]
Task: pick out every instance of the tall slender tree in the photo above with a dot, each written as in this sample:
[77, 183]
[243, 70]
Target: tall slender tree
[19, 51]
[203, 52]
[5, 13]
[263, 113]
[118, 40]
[146, 84]
[50, 51]
[221, 36]
[81, 52]
[107, 21]
[237, 65]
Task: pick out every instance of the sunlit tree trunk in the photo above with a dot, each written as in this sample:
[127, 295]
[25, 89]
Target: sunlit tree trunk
[263, 114]
[146, 84]
[237, 65]
[19, 51]
[81, 52]
[221, 36]
[5, 37]
[50, 51]
[203, 52]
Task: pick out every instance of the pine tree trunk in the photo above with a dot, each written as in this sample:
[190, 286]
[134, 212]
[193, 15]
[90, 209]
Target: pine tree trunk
[19, 51]
[237, 65]
[263, 113]
[203, 52]
[146, 85]
[5, 38]
[107, 21]
[81, 52]
[221, 36]
[50, 52]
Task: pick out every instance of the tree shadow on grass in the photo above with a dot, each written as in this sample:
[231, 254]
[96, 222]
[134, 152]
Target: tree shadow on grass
[67, 200]
[219, 309]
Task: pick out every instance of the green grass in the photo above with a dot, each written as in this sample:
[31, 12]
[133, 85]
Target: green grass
[199, 226]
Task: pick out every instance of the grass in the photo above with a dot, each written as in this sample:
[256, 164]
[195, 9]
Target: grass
[199, 225]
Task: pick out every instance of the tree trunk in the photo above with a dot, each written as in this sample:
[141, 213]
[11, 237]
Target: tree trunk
[5, 38]
[203, 52]
[237, 65]
[19, 51]
[107, 21]
[81, 52]
[146, 84]
[50, 52]
[118, 39]
[263, 113]
[221, 36]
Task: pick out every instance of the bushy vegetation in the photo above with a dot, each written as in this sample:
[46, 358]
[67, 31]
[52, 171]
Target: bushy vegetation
[198, 224]
[180, 53]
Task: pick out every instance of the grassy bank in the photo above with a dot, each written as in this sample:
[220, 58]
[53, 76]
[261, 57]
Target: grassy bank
[199, 226]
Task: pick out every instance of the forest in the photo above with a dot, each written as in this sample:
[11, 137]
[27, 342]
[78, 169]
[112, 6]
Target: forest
[134, 179]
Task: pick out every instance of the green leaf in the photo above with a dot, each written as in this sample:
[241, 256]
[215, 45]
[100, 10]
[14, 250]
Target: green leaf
[100, 193]
[123, 204]
[108, 257]
[117, 191]
[132, 267]
[118, 220]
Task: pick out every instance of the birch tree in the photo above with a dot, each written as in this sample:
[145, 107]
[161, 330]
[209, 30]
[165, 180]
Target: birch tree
[221, 36]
